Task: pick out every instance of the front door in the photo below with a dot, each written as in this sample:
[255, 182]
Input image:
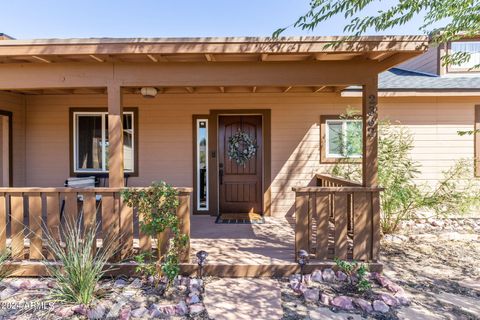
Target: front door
[240, 184]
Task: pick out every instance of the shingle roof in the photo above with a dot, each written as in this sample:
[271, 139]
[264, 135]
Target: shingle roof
[398, 79]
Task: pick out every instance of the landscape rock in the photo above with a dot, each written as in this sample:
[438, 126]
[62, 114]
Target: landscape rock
[96, 312]
[193, 299]
[157, 310]
[182, 308]
[328, 275]
[124, 314]
[343, 302]
[115, 310]
[317, 276]
[311, 295]
[7, 293]
[365, 305]
[64, 312]
[196, 308]
[341, 276]
[402, 299]
[380, 306]
[119, 283]
[139, 312]
[389, 299]
[80, 309]
[299, 288]
[137, 284]
[325, 299]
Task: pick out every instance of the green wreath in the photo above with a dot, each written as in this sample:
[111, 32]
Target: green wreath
[241, 147]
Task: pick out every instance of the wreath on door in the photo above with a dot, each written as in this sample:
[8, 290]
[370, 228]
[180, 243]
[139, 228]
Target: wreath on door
[241, 147]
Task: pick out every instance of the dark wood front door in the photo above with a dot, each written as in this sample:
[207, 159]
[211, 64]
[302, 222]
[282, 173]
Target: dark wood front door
[240, 185]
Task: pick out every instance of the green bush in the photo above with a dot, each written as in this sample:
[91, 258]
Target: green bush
[158, 205]
[4, 270]
[82, 265]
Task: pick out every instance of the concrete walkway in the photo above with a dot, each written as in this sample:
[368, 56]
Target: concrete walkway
[243, 299]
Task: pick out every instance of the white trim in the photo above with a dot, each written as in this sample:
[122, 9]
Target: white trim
[327, 137]
[197, 128]
[101, 114]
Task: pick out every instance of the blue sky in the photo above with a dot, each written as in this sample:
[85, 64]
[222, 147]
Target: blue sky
[25, 19]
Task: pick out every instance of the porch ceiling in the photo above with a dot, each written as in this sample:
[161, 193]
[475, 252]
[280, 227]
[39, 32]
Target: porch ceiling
[161, 50]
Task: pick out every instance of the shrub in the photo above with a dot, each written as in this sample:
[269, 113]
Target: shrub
[356, 274]
[158, 206]
[403, 198]
[82, 265]
[4, 270]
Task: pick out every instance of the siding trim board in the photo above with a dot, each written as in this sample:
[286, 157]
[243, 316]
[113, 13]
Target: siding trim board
[477, 140]
[9, 114]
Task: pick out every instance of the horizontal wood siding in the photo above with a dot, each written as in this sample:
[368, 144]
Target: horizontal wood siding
[165, 135]
[15, 103]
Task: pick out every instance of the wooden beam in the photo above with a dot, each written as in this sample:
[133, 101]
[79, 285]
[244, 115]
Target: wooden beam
[370, 133]
[41, 59]
[94, 57]
[210, 57]
[115, 137]
[151, 57]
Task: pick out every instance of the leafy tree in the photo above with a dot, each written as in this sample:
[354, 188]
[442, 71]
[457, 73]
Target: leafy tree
[458, 19]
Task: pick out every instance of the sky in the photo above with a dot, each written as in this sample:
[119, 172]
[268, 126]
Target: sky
[27, 19]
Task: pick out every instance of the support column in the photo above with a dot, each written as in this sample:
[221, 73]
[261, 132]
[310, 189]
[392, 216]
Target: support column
[115, 137]
[370, 133]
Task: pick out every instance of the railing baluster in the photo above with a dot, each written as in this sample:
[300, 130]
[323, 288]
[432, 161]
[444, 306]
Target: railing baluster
[71, 207]
[376, 232]
[323, 212]
[53, 217]
[301, 226]
[35, 221]
[126, 230]
[340, 218]
[3, 222]
[18, 234]
[110, 219]
[183, 214]
[361, 214]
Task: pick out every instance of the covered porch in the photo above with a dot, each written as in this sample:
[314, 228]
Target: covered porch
[194, 79]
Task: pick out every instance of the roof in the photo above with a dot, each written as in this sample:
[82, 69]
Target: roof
[211, 49]
[399, 79]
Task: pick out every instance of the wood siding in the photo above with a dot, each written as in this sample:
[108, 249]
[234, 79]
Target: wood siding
[165, 135]
[15, 103]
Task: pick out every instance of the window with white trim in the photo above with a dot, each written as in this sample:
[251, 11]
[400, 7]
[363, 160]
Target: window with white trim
[471, 47]
[202, 164]
[90, 142]
[343, 138]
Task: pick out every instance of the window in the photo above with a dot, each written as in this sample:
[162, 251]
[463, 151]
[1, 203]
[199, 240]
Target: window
[202, 164]
[90, 141]
[472, 47]
[340, 139]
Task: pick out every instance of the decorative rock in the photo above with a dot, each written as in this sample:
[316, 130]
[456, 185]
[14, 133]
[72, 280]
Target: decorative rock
[389, 299]
[80, 309]
[299, 288]
[394, 288]
[169, 309]
[325, 299]
[380, 306]
[64, 312]
[20, 284]
[307, 278]
[294, 278]
[139, 312]
[341, 276]
[317, 276]
[194, 292]
[311, 295]
[196, 308]
[196, 282]
[115, 310]
[181, 308]
[343, 302]
[365, 305]
[120, 283]
[193, 299]
[7, 293]
[97, 312]
[328, 275]
[402, 299]
[125, 314]
[137, 284]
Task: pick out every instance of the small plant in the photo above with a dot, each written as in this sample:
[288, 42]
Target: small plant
[4, 270]
[158, 206]
[356, 274]
[83, 265]
[146, 265]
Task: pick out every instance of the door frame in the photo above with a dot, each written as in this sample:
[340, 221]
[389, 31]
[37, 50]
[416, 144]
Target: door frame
[213, 156]
[9, 114]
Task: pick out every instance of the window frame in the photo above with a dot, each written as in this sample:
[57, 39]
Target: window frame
[325, 157]
[210, 160]
[73, 140]
[459, 69]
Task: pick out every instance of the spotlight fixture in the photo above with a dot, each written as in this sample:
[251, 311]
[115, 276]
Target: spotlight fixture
[302, 258]
[201, 260]
[148, 92]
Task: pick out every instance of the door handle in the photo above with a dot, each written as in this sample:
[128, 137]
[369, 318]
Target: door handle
[220, 173]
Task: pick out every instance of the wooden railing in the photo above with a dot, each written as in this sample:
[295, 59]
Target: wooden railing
[26, 213]
[338, 219]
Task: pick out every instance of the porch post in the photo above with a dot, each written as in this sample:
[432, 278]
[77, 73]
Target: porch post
[370, 133]
[115, 136]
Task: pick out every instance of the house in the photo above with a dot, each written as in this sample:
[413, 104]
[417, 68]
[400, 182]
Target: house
[130, 111]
